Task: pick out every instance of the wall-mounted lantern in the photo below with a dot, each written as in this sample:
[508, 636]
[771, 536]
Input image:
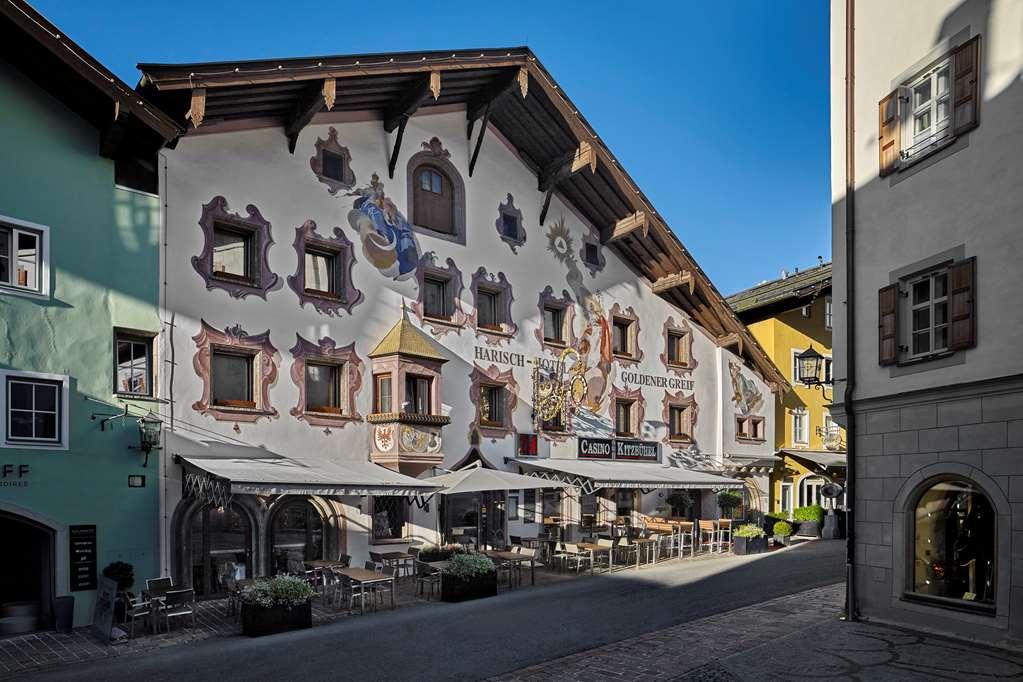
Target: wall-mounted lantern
[150, 431]
[808, 366]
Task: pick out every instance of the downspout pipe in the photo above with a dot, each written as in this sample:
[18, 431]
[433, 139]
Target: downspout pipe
[851, 612]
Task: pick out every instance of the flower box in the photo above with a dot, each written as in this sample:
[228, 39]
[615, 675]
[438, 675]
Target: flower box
[259, 620]
[453, 589]
[743, 546]
[809, 529]
[784, 540]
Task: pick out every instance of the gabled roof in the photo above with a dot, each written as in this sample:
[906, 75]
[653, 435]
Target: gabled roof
[126, 121]
[507, 90]
[784, 293]
[406, 339]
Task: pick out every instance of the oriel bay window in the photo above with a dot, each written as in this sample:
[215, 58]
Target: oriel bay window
[232, 378]
[389, 516]
[382, 403]
[417, 394]
[133, 360]
[323, 388]
[233, 249]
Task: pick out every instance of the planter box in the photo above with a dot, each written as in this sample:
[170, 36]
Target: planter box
[809, 528]
[743, 546]
[455, 589]
[784, 540]
[258, 621]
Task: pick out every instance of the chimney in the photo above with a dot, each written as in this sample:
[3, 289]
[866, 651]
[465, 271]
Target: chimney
[784, 274]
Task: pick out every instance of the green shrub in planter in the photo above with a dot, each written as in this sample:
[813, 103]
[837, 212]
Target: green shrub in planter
[728, 500]
[809, 519]
[468, 576]
[277, 605]
[749, 538]
[443, 553]
[782, 529]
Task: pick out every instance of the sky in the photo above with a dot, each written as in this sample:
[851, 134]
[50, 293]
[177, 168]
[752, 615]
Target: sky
[718, 110]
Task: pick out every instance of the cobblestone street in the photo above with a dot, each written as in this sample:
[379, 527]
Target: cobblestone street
[796, 637]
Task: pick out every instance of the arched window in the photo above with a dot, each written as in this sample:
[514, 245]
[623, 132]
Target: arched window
[433, 201]
[954, 544]
[221, 549]
[296, 536]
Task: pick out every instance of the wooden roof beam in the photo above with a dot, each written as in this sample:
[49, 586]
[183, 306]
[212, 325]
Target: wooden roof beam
[427, 85]
[316, 98]
[729, 340]
[489, 99]
[674, 281]
[562, 168]
[626, 226]
[197, 107]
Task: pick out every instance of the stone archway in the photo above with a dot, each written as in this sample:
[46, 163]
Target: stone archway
[182, 547]
[37, 552]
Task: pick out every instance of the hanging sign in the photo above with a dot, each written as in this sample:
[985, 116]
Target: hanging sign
[82, 541]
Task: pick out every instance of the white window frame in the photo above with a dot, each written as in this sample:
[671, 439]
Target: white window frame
[64, 394]
[908, 308]
[827, 370]
[810, 483]
[43, 260]
[786, 486]
[800, 436]
[827, 312]
[794, 367]
[938, 132]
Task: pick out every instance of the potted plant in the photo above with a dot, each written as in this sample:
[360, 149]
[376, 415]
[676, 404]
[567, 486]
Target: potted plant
[770, 519]
[680, 503]
[782, 533]
[809, 519]
[749, 538]
[277, 605]
[443, 553]
[468, 576]
[123, 574]
[729, 502]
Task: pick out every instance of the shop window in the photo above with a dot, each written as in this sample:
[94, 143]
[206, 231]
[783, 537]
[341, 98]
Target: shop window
[417, 394]
[382, 403]
[529, 506]
[553, 324]
[133, 364]
[22, 258]
[389, 516]
[221, 548]
[35, 409]
[433, 200]
[954, 545]
[513, 506]
[624, 418]
[231, 375]
[296, 537]
[323, 391]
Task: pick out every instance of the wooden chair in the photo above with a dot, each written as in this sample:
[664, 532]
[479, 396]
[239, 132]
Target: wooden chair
[724, 534]
[686, 537]
[708, 529]
[178, 604]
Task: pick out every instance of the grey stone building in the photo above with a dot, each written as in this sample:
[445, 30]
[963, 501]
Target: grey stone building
[927, 131]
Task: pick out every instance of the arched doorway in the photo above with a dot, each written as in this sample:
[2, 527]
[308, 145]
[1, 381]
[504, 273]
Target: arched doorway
[26, 585]
[220, 543]
[296, 536]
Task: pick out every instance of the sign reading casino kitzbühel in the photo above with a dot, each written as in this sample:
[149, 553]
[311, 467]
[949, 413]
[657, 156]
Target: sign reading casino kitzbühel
[622, 450]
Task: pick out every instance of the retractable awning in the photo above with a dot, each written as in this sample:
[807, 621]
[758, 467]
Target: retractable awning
[215, 470]
[478, 480]
[824, 458]
[591, 476]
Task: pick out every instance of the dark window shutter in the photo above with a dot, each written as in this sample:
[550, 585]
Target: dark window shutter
[962, 327]
[966, 86]
[888, 324]
[888, 140]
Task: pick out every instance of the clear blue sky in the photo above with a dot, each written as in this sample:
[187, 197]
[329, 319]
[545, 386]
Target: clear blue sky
[719, 110]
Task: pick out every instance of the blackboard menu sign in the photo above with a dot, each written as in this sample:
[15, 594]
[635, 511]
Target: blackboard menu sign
[82, 540]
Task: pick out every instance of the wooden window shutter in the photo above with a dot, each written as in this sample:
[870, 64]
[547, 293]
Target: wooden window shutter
[966, 86]
[888, 325]
[889, 136]
[962, 327]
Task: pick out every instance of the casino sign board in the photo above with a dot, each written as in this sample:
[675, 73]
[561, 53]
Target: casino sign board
[618, 449]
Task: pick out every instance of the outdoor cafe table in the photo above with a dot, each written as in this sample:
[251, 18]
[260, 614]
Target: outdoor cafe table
[395, 558]
[595, 549]
[323, 563]
[646, 545]
[514, 558]
[365, 577]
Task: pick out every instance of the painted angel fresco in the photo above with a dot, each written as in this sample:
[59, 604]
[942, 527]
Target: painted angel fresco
[745, 394]
[387, 238]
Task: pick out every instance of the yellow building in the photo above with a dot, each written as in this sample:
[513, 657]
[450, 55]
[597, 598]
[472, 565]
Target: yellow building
[787, 316]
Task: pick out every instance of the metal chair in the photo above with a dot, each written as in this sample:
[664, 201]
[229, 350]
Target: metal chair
[724, 534]
[349, 592]
[344, 560]
[177, 604]
[686, 537]
[574, 555]
[156, 587]
[708, 529]
[139, 607]
[427, 577]
[626, 552]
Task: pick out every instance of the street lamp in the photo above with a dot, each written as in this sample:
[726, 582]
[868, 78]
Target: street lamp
[808, 366]
[150, 430]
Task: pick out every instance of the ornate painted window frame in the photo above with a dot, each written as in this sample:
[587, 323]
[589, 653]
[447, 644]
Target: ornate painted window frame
[450, 272]
[671, 400]
[628, 314]
[265, 361]
[508, 209]
[263, 281]
[681, 327]
[332, 145]
[435, 154]
[342, 248]
[492, 376]
[499, 285]
[638, 408]
[326, 352]
[594, 268]
[567, 304]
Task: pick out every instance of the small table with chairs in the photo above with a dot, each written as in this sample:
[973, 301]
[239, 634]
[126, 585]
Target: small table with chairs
[365, 577]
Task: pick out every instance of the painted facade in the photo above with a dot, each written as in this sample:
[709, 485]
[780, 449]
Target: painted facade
[78, 261]
[935, 419]
[389, 261]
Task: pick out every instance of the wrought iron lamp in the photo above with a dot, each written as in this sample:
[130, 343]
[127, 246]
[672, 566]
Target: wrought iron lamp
[150, 431]
[808, 365]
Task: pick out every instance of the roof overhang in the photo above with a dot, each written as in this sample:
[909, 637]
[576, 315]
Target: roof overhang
[823, 458]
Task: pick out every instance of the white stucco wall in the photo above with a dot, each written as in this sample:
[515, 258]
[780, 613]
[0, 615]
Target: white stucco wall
[968, 198]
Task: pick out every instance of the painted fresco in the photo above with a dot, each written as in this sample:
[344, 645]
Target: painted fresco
[388, 241]
[745, 394]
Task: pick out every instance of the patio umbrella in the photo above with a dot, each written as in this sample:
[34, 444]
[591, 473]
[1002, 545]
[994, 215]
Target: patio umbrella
[476, 479]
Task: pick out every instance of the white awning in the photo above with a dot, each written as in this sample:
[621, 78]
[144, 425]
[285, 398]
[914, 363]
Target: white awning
[825, 458]
[477, 479]
[590, 475]
[227, 468]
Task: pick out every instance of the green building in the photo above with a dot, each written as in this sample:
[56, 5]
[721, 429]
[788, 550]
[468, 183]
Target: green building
[79, 295]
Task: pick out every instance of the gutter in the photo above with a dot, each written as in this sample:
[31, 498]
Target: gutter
[851, 612]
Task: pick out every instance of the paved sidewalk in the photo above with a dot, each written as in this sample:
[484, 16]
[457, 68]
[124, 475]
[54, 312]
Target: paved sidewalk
[796, 637]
